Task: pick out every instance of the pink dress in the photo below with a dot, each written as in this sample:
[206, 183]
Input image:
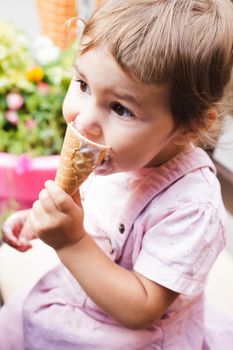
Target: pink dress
[165, 223]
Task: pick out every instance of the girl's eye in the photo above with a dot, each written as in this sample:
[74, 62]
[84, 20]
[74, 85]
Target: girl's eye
[121, 110]
[83, 86]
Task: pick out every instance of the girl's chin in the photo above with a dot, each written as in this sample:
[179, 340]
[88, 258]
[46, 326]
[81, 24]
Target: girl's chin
[109, 167]
[102, 172]
[105, 168]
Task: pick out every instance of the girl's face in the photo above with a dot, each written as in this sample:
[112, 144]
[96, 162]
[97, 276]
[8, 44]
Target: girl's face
[108, 107]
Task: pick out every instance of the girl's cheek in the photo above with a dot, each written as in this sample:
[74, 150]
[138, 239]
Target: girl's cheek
[68, 110]
[69, 118]
[66, 116]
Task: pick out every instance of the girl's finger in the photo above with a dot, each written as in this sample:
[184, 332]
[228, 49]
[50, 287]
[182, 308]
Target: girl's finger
[46, 201]
[61, 199]
[39, 220]
[9, 237]
[37, 211]
[14, 223]
[14, 242]
[36, 218]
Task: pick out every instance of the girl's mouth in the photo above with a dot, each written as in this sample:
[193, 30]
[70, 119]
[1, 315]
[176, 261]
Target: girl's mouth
[97, 151]
[105, 167]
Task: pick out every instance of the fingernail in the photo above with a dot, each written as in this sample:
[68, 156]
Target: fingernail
[48, 182]
[23, 240]
[6, 230]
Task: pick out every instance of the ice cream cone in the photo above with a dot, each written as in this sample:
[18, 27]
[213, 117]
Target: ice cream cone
[79, 156]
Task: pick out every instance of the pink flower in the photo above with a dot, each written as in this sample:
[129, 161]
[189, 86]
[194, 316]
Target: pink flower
[14, 100]
[43, 88]
[12, 117]
[31, 124]
[23, 164]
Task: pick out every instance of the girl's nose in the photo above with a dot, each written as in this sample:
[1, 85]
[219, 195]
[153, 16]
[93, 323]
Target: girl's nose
[88, 124]
[90, 129]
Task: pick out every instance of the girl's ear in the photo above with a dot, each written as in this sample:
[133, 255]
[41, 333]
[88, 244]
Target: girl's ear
[211, 118]
[183, 138]
[194, 132]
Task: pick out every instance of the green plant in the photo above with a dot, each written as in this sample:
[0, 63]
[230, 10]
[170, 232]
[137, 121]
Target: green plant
[34, 78]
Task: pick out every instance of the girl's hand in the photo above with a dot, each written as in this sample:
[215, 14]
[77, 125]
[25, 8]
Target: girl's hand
[56, 218]
[17, 231]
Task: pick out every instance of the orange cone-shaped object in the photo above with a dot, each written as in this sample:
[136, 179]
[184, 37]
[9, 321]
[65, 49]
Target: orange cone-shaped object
[53, 15]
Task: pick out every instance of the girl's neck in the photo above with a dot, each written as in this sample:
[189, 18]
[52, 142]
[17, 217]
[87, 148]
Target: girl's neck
[170, 153]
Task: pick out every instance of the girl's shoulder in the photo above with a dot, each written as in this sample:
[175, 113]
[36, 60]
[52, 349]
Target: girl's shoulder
[191, 179]
[189, 182]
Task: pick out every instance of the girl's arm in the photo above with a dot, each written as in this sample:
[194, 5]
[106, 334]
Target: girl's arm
[127, 296]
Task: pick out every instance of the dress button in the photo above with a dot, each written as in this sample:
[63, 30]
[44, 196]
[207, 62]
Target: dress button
[122, 228]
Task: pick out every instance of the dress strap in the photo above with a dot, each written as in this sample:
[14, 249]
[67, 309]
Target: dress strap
[160, 178]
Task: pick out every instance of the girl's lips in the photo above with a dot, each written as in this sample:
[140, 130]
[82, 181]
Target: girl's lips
[105, 167]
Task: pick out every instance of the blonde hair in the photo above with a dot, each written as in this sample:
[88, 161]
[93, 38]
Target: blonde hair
[187, 44]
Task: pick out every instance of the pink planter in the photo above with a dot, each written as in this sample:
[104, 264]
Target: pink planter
[22, 178]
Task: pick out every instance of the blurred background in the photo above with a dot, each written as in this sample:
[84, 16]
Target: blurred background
[37, 51]
[23, 14]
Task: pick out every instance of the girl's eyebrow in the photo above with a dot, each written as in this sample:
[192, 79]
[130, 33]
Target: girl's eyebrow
[77, 70]
[119, 95]
[126, 97]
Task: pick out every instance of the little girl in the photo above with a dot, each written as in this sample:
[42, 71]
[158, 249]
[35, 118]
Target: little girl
[136, 252]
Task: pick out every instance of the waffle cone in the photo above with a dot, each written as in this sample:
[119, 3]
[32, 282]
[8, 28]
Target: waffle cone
[79, 156]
